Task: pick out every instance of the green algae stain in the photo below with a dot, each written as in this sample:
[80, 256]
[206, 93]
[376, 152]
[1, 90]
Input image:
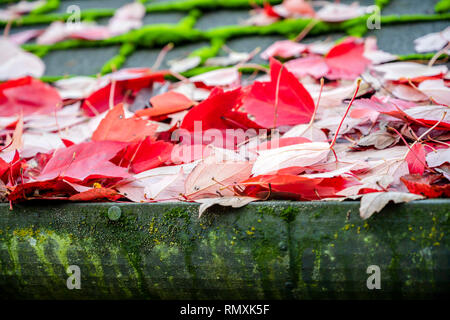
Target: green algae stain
[63, 244]
[12, 247]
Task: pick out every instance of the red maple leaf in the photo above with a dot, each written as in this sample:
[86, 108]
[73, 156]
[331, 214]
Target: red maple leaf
[28, 96]
[96, 194]
[346, 60]
[114, 127]
[123, 85]
[431, 185]
[295, 187]
[144, 155]
[281, 102]
[416, 159]
[86, 160]
[49, 189]
[165, 104]
[211, 112]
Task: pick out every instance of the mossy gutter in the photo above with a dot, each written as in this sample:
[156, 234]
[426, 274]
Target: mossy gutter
[267, 250]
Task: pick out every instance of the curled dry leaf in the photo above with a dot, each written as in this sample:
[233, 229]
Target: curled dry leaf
[375, 202]
[235, 202]
[379, 139]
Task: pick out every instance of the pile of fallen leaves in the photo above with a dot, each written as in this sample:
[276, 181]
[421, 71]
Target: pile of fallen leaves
[336, 121]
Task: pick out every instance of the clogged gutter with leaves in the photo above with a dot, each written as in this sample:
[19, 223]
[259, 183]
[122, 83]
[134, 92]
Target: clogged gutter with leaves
[324, 121]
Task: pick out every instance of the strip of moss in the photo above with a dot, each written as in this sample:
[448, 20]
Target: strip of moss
[421, 56]
[48, 6]
[117, 62]
[442, 6]
[382, 3]
[209, 51]
[94, 14]
[207, 5]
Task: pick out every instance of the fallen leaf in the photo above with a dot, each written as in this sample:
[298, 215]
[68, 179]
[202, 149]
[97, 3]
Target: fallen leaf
[337, 12]
[379, 139]
[166, 103]
[298, 155]
[346, 60]
[409, 71]
[221, 77]
[211, 178]
[432, 41]
[438, 157]
[85, 160]
[234, 202]
[16, 62]
[281, 102]
[28, 96]
[431, 185]
[96, 194]
[115, 127]
[284, 49]
[416, 159]
[375, 202]
[436, 90]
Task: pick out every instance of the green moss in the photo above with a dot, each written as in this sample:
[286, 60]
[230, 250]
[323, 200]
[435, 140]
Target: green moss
[48, 6]
[116, 62]
[396, 19]
[151, 36]
[162, 250]
[382, 3]
[209, 51]
[187, 5]
[442, 6]
[421, 56]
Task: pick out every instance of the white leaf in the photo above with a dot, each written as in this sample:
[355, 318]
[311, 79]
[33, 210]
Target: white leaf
[230, 60]
[438, 157]
[17, 63]
[76, 87]
[336, 12]
[210, 177]
[408, 70]
[185, 64]
[430, 112]
[436, 90]
[235, 202]
[297, 155]
[310, 132]
[433, 41]
[127, 18]
[220, 77]
[375, 202]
